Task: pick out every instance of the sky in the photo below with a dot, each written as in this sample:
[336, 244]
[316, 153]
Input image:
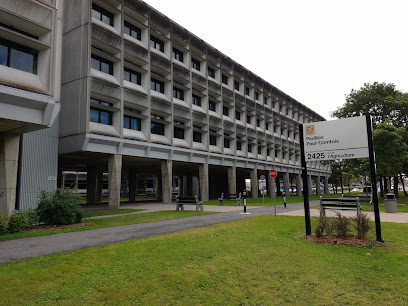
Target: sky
[316, 51]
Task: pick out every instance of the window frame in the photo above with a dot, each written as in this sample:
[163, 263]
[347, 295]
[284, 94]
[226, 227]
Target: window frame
[101, 61]
[178, 132]
[9, 45]
[196, 100]
[93, 106]
[132, 29]
[224, 79]
[210, 103]
[178, 55]
[131, 118]
[195, 64]
[156, 43]
[133, 72]
[211, 72]
[156, 82]
[195, 135]
[178, 93]
[103, 13]
[213, 140]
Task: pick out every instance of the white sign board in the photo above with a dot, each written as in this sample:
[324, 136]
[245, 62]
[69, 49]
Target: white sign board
[337, 139]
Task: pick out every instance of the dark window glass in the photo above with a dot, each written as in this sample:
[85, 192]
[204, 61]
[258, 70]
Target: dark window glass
[259, 150]
[213, 140]
[276, 154]
[248, 119]
[18, 57]
[178, 55]
[236, 85]
[265, 101]
[237, 115]
[268, 152]
[157, 128]
[100, 116]
[196, 136]
[211, 106]
[226, 143]
[225, 111]
[247, 91]
[132, 30]
[178, 93]
[258, 123]
[132, 123]
[195, 64]
[266, 126]
[101, 64]
[250, 148]
[132, 76]
[196, 100]
[178, 133]
[257, 96]
[239, 145]
[211, 72]
[156, 43]
[157, 85]
[224, 79]
[102, 14]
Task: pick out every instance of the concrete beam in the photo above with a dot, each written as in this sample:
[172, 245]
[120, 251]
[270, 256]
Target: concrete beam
[114, 180]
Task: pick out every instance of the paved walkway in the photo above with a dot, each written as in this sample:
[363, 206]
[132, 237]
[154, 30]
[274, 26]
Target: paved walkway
[39, 246]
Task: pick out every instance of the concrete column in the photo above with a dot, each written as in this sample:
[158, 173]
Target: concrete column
[91, 184]
[114, 180]
[203, 178]
[196, 186]
[271, 186]
[254, 183]
[98, 187]
[309, 178]
[326, 185]
[318, 191]
[232, 180]
[9, 150]
[132, 184]
[167, 176]
[299, 184]
[286, 183]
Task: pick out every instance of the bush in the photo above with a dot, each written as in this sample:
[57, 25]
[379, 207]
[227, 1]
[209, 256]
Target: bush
[321, 226]
[60, 207]
[3, 224]
[341, 225]
[33, 218]
[362, 225]
[18, 222]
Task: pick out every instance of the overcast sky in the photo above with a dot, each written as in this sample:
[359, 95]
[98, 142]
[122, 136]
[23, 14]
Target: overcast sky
[316, 51]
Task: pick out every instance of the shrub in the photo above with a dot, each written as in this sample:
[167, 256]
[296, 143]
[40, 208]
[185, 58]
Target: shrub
[3, 224]
[18, 222]
[60, 207]
[341, 225]
[362, 225]
[321, 226]
[33, 218]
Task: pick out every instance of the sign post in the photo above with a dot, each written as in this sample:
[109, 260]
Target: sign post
[346, 138]
[273, 174]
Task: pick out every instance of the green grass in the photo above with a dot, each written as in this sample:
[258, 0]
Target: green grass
[107, 212]
[257, 261]
[108, 222]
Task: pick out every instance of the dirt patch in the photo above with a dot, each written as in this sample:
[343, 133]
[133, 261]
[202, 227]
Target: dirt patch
[350, 240]
[56, 227]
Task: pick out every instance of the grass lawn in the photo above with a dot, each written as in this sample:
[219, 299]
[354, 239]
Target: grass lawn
[257, 261]
[108, 222]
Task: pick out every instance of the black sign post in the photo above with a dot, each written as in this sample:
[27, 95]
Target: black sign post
[305, 182]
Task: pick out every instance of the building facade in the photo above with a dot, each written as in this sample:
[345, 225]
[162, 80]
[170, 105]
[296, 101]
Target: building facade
[141, 94]
[30, 55]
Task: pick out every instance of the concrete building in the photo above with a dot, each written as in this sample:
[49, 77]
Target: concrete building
[141, 94]
[30, 55]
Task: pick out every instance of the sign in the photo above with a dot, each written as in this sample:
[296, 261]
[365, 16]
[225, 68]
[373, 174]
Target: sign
[337, 139]
[273, 173]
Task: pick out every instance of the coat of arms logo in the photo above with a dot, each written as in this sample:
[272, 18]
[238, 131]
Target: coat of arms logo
[310, 130]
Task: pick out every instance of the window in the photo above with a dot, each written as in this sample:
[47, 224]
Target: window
[18, 57]
[225, 111]
[100, 115]
[132, 30]
[266, 126]
[196, 100]
[156, 43]
[268, 152]
[257, 96]
[224, 79]
[249, 148]
[178, 93]
[258, 123]
[259, 150]
[237, 115]
[132, 76]
[211, 106]
[211, 72]
[236, 85]
[276, 154]
[275, 129]
[195, 64]
[265, 101]
[213, 140]
[178, 133]
[226, 143]
[247, 91]
[196, 136]
[178, 55]
[157, 85]
[248, 119]
[131, 123]
[101, 64]
[102, 14]
[157, 127]
[239, 145]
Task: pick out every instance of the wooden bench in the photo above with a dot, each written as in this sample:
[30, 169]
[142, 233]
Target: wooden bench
[363, 199]
[339, 204]
[181, 201]
[235, 197]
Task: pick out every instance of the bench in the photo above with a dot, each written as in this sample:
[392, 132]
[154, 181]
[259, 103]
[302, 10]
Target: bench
[181, 201]
[339, 204]
[235, 197]
[363, 199]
